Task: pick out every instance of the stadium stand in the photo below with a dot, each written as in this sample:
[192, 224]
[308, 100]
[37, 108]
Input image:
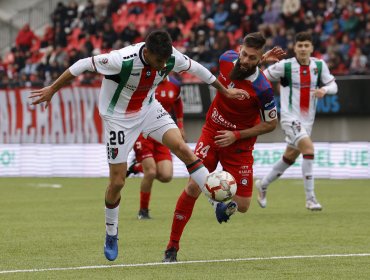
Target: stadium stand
[201, 29]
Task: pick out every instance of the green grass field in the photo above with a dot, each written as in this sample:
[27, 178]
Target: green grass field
[48, 228]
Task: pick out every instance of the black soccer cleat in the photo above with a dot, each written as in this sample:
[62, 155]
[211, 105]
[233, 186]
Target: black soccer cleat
[143, 214]
[131, 170]
[170, 255]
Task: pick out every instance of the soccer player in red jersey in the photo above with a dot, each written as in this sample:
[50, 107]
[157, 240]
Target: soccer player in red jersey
[151, 157]
[230, 131]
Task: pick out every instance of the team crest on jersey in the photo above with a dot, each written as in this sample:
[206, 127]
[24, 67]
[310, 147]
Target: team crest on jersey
[104, 61]
[244, 182]
[148, 73]
[111, 152]
[272, 114]
[163, 72]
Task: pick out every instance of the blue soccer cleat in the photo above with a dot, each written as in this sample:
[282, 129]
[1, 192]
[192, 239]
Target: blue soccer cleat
[111, 247]
[224, 211]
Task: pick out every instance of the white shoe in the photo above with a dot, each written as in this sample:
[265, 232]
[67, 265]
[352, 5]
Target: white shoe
[261, 198]
[313, 205]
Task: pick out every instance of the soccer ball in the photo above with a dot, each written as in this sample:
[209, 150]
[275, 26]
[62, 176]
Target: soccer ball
[220, 186]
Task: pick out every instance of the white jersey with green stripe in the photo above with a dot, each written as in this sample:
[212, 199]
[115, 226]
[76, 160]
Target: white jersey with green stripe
[129, 83]
[297, 83]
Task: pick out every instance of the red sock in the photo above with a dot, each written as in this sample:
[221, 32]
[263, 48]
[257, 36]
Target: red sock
[184, 209]
[138, 168]
[144, 200]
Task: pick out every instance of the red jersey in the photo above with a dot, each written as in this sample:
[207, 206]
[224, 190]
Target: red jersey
[236, 114]
[168, 94]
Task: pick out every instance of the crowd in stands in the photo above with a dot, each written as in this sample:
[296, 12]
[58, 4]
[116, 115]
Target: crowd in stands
[201, 29]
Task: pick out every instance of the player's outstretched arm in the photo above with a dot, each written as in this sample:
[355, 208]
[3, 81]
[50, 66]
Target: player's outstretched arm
[46, 94]
[234, 93]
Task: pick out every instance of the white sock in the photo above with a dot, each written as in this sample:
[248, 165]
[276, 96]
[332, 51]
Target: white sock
[111, 220]
[277, 170]
[214, 203]
[308, 180]
[198, 173]
[199, 176]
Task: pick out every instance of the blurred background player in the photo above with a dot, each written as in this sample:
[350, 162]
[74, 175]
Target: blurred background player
[151, 157]
[303, 79]
[230, 131]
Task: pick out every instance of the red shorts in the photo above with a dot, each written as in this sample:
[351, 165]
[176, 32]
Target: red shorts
[150, 148]
[237, 159]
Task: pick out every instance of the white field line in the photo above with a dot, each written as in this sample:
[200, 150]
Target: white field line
[184, 262]
[46, 185]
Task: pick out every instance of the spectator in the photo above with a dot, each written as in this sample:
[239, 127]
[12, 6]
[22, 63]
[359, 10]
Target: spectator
[181, 12]
[234, 19]
[108, 34]
[59, 15]
[220, 17]
[174, 30]
[71, 12]
[25, 38]
[48, 37]
[358, 63]
[129, 34]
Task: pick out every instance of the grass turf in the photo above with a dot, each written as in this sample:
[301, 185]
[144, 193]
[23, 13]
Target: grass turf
[44, 227]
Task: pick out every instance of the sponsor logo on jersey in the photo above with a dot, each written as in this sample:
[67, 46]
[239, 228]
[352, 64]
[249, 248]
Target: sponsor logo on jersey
[219, 119]
[162, 115]
[270, 103]
[130, 56]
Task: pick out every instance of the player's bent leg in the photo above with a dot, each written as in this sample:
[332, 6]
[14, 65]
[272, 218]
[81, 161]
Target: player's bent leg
[164, 171]
[183, 211]
[112, 201]
[172, 139]
[288, 159]
[243, 203]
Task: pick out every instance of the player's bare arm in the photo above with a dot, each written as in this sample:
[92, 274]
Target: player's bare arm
[274, 55]
[227, 137]
[230, 92]
[320, 92]
[46, 94]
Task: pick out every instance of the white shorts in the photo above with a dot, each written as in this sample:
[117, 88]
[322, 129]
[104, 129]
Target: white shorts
[295, 131]
[121, 134]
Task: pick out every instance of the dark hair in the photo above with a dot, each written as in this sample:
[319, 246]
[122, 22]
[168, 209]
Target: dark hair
[254, 40]
[303, 36]
[159, 43]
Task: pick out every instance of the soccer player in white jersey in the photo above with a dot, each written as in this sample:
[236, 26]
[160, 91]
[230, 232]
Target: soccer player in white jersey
[128, 108]
[303, 80]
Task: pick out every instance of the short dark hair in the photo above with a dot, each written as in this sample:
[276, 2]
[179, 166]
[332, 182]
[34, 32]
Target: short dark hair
[303, 36]
[159, 43]
[254, 40]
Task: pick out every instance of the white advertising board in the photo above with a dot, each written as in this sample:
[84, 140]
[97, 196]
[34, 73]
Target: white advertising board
[332, 160]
